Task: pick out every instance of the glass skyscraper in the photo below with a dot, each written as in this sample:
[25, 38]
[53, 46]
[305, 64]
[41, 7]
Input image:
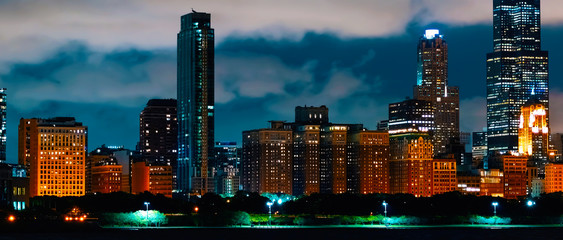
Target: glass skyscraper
[196, 68]
[517, 69]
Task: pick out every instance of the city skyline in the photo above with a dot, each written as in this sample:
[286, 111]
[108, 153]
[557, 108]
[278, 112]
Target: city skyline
[350, 79]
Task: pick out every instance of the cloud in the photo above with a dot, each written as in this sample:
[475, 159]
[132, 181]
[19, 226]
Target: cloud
[78, 74]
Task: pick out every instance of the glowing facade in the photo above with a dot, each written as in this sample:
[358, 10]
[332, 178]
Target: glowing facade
[196, 98]
[517, 69]
[55, 151]
[444, 176]
[553, 178]
[411, 164]
[106, 178]
[267, 159]
[515, 177]
[432, 86]
[373, 162]
[533, 133]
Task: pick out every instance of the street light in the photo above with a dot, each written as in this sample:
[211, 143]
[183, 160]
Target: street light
[495, 204]
[147, 204]
[385, 206]
[269, 211]
[530, 203]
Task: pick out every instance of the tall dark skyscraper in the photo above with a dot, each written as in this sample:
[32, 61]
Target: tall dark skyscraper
[196, 70]
[2, 124]
[516, 70]
[432, 86]
[159, 133]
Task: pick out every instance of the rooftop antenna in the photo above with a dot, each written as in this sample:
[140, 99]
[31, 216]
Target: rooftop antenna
[193, 10]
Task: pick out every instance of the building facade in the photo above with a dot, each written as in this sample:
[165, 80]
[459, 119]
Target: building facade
[373, 161]
[432, 86]
[54, 150]
[196, 113]
[411, 164]
[553, 178]
[515, 177]
[267, 159]
[411, 116]
[533, 133]
[517, 69]
[444, 176]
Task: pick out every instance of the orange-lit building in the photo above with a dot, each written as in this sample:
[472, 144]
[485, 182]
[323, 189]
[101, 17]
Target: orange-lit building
[533, 133]
[553, 178]
[154, 179]
[54, 150]
[334, 158]
[515, 178]
[106, 178]
[267, 159]
[306, 159]
[491, 183]
[373, 162]
[411, 164]
[444, 177]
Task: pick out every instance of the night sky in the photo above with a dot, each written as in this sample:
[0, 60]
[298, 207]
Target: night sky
[101, 61]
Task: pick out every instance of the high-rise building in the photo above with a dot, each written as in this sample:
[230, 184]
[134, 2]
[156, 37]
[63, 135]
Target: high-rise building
[517, 69]
[533, 133]
[479, 147]
[227, 174]
[196, 113]
[54, 150]
[432, 86]
[515, 178]
[267, 156]
[554, 178]
[444, 176]
[159, 133]
[373, 161]
[103, 173]
[491, 183]
[3, 118]
[154, 179]
[306, 159]
[411, 164]
[411, 115]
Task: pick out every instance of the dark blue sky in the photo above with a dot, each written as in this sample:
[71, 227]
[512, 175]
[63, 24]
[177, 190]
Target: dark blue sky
[103, 71]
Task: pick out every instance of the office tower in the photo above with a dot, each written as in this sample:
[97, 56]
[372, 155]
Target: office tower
[444, 177]
[515, 178]
[533, 133]
[411, 116]
[159, 133]
[227, 156]
[373, 161]
[267, 159]
[517, 69]
[196, 114]
[54, 150]
[432, 86]
[479, 147]
[411, 164]
[3, 118]
[333, 159]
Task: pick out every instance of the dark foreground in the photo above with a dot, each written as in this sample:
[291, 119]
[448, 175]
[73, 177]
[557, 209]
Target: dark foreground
[349, 233]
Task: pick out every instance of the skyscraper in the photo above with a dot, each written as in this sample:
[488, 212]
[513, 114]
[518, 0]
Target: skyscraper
[516, 69]
[159, 133]
[196, 69]
[432, 86]
[2, 124]
[533, 133]
[54, 150]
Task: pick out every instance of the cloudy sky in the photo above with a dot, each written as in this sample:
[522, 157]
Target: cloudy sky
[101, 61]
